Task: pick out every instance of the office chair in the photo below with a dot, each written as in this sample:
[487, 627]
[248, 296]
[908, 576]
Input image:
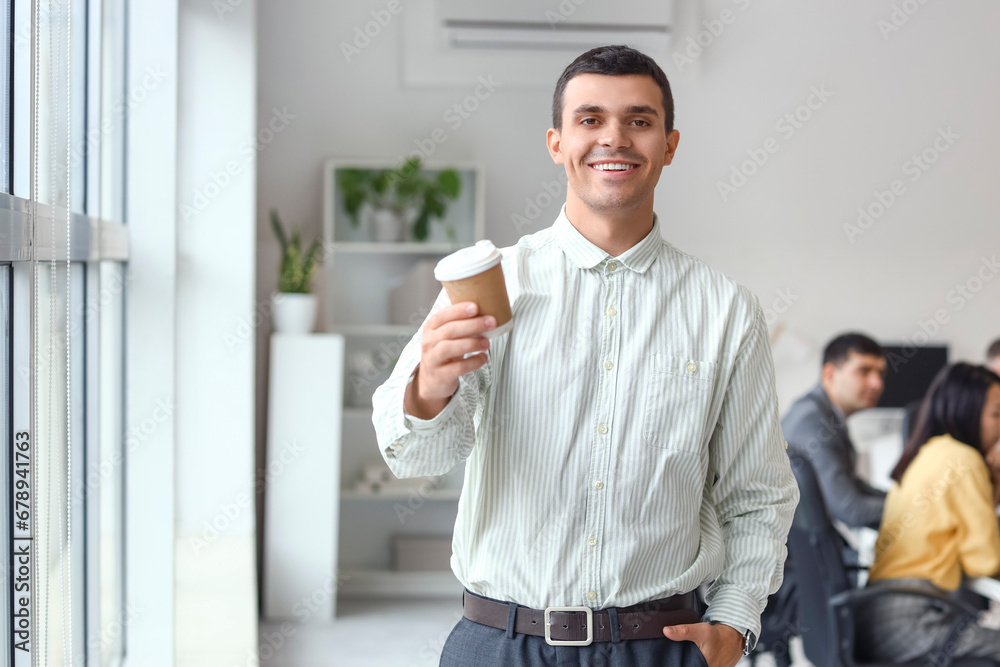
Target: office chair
[826, 601]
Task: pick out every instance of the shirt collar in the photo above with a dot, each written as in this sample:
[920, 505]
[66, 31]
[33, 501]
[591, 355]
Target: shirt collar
[586, 255]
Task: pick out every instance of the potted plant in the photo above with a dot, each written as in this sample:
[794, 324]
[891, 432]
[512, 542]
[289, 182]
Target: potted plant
[294, 303]
[391, 193]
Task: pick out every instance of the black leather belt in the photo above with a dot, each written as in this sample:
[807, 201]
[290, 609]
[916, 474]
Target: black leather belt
[579, 626]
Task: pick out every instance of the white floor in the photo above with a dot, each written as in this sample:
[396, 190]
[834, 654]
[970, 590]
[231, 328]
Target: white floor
[370, 633]
[216, 598]
[377, 634]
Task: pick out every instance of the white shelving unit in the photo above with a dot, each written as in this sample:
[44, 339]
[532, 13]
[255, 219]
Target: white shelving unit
[360, 275]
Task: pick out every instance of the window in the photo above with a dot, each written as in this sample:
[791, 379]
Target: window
[61, 313]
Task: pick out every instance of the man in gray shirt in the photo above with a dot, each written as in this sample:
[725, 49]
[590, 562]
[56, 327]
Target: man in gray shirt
[852, 380]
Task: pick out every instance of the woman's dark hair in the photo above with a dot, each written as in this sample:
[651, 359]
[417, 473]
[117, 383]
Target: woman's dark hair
[953, 406]
[617, 60]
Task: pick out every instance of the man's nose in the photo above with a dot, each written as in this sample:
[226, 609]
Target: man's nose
[614, 136]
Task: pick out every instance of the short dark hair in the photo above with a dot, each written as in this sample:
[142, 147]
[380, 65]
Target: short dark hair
[615, 60]
[839, 349]
[953, 406]
[993, 351]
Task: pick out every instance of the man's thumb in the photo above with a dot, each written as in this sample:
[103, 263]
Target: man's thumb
[676, 632]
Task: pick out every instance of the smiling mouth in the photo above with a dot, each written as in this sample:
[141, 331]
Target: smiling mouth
[614, 166]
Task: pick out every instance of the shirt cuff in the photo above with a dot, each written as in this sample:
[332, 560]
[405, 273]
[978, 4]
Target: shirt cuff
[418, 425]
[731, 606]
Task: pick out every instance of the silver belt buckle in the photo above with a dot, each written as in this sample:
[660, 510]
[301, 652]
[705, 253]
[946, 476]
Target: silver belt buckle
[566, 642]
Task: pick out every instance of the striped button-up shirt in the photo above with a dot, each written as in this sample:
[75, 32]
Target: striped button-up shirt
[622, 442]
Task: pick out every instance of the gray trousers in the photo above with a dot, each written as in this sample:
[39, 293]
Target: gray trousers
[471, 644]
[895, 628]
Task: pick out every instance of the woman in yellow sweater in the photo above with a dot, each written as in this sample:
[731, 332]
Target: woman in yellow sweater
[939, 521]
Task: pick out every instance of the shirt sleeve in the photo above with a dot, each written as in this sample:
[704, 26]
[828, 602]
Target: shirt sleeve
[414, 447]
[754, 492]
[978, 530]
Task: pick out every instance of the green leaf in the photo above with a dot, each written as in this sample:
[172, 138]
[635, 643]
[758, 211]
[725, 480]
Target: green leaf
[410, 167]
[421, 226]
[433, 204]
[381, 181]
[450, 183]
[312, 256]
[353, 201]
[409, 189]
[278, 231]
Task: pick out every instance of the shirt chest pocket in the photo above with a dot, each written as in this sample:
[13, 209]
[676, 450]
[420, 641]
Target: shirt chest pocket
[678, 395]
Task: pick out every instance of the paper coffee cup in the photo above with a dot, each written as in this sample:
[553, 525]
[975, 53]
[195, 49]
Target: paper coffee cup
[475, 274]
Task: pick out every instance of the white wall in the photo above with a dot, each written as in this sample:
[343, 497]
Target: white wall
[216, 247]
[150, 336]
[192, 266]
[215, 593]
[783, 230]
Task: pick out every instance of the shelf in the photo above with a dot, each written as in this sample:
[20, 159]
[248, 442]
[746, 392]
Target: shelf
[373, 329]
[358, 583]
[399, 494]
[397, 248]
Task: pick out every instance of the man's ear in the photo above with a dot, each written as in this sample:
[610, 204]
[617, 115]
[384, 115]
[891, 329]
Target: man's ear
[553, 142]
[672, 140]
[827, 371]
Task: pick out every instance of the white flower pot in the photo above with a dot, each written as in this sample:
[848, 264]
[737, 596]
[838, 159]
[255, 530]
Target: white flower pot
[294, 313]
[386, 226]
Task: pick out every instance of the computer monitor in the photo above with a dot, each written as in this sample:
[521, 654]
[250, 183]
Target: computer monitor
[910, 370]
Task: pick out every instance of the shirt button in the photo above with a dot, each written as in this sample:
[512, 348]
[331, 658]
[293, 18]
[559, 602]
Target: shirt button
[608, 365]
[591, 595]
[612, 312]
[602, 429]
[592, 541]
[612, 266]
[598, 485]
[692, 367]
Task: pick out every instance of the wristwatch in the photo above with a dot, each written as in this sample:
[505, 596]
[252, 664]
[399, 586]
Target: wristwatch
[748, 637]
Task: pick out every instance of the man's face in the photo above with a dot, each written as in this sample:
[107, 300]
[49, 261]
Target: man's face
[858, 382]
[612, 120]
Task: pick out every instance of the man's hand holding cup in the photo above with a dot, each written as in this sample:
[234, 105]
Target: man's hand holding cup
[455, 338]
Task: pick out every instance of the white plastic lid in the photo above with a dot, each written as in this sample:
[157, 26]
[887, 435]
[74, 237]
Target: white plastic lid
[468, 261]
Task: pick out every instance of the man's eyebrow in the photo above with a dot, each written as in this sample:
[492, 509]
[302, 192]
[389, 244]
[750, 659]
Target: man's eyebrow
[635, 108]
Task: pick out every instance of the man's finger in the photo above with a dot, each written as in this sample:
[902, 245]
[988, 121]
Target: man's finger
[689, 632]
[455, 311]
[464, 328]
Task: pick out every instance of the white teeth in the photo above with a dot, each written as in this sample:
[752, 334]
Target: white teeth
[613, 166]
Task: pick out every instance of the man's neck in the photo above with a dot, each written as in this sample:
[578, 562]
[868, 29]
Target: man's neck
[614, 232]
[844, 412]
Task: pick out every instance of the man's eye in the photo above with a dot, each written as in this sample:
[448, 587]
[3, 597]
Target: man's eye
[584, 121]
[641, 121]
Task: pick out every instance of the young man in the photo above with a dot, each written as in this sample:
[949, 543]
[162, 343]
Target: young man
[852, 380]
[622, 442]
